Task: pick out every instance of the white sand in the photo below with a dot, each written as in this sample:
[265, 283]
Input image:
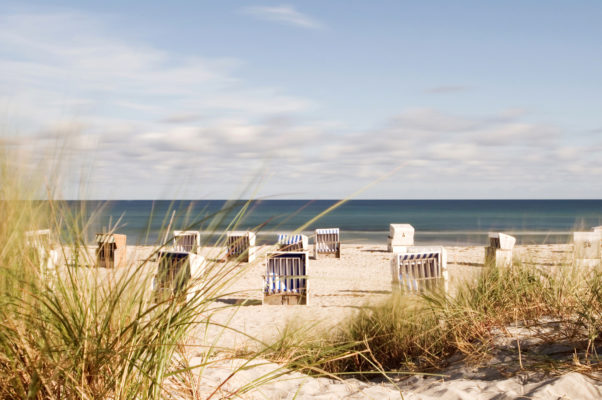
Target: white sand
[337, 288]
[298, 386]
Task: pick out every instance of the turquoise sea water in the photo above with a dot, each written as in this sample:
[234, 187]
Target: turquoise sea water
[361, 221]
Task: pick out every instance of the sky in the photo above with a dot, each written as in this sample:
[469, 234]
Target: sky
[308, 99]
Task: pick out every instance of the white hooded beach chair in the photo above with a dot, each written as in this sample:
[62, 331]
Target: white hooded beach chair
[286, 279]
[241, 244]
[45, 249]
[499, 251]
[586, 249]
[189, 241]
[327, 241]
[176, 272]
[420, 269]
[400, 236]
[295, 242]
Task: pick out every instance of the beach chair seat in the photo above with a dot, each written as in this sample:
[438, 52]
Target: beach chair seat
[295, 242]
[420, 269]
[499, 251]
[241, 244]
[111, 250]
[286, 279]
[178, 272]
[189, 241]
[327, 241]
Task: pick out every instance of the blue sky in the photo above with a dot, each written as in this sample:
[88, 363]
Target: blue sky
[317, 99]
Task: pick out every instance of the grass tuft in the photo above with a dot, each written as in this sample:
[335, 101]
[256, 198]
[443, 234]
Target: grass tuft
[475, 324]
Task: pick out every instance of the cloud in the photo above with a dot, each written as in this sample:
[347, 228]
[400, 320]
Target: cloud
[66, 63]
[428, 119]
[152, 123]
[181, 118]
[284, 14]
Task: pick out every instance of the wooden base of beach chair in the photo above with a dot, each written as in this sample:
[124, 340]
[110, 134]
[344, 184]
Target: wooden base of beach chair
[419, 286]
[247, 256]
[336, 253]
[498, 257]
[286, 299]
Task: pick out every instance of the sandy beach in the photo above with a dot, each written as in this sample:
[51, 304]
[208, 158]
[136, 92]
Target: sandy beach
[338, 287]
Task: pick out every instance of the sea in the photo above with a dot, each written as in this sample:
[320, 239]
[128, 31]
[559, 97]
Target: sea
[445, 222]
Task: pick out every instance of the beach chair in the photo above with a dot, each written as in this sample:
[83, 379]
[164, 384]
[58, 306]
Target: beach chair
[177, 271]
[420, 269]
[241, 244]
[327, 241]
[586, 249]
[44, 246]
[598, 229]
[400, 236]
[296, 242]
[111, 250]
[189, 241]
[286, 279]
[499, 251]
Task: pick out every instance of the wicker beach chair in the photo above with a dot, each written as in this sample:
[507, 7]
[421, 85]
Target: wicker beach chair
[45, 247]
[286, 279]
[241, 245]
[420, 269]
[189, 241]
[586, 249]
[111, 250]
[327, 241]
[499, 251]
[400, 236]
[296, 242]
[178, 272]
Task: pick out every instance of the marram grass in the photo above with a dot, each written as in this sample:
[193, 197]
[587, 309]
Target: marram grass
[77, 332]
[410, 334]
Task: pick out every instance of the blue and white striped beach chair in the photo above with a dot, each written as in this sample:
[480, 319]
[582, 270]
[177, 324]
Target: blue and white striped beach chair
[327, 241]
[420, 269]
[286, 279]
[297, 242]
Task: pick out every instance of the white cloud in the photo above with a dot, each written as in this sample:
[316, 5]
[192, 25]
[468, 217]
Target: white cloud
[149, 121]
[428, 119]
[285, 14]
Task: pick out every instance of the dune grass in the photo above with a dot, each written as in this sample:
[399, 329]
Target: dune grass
[502, 308]
[76, 331]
